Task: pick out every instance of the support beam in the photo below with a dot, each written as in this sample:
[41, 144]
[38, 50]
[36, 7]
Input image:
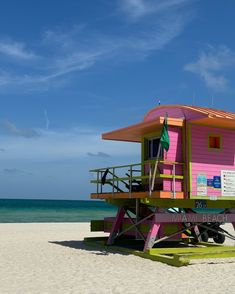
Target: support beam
[116, 225]
[197, 233]
[155, 226]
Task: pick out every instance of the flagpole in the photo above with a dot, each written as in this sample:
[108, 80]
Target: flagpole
[158, 155]
[155, 168]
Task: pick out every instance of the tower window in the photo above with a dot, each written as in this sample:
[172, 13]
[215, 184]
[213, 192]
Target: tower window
[214, 142]
[152, 148]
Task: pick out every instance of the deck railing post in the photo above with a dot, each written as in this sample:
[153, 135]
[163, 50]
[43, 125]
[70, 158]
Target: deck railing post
[97, 184]
[136, 216]
[113, 181]
[150, 176]
[117, 185]
[101, 186]
[130, 182]
[174, 181]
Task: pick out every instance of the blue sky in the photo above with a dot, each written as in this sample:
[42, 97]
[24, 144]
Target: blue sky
[71, 70]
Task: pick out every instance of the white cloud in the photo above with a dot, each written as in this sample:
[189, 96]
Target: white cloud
[78, 61]
[211, 66]
[163, 34]
[62, 63]
[11, 170]
[81, 47]
[16, 50]
[137, 9]
[64, 145]
[98, 154]
[13, 130]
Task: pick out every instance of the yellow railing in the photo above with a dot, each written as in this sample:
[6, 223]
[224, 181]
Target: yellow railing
[133, 177]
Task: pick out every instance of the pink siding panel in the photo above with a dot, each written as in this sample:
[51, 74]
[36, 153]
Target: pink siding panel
[168, 185]
[174, 154]
[175, 151]
[211, 162]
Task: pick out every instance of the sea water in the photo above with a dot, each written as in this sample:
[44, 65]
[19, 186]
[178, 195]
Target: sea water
[31, 211]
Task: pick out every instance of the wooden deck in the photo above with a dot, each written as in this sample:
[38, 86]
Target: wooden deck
[137, 195]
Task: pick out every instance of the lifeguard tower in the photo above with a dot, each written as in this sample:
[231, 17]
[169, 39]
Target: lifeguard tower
[182, 189]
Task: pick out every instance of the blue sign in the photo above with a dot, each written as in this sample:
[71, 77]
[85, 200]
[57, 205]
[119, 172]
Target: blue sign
[210, 183]
[217, 182]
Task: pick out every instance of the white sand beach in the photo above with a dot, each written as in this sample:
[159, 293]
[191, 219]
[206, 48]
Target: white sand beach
[31, 261]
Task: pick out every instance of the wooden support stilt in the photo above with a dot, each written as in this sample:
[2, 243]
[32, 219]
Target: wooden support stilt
[197, 233]
[233, 225]
[151, 237]
[116, 225]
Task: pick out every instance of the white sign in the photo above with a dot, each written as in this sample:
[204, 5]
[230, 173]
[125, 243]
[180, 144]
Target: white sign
[201, 185]
[228, 182]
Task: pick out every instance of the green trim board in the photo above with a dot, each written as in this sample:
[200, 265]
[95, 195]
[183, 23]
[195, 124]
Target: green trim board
[119, 179]
[172, 256]
[179, 203]
[142, 157]
[97, 225]
[135, 164]
[187, 203]
[165, 176]
[121, 202]
[185, 250]
[189, 132]
[184, 156]
[215, 198]
[100, 243]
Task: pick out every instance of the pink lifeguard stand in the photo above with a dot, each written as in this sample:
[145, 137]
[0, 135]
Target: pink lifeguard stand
[185, 192]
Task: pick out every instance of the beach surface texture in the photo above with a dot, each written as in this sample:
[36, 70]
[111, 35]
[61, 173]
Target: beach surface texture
[51, 258]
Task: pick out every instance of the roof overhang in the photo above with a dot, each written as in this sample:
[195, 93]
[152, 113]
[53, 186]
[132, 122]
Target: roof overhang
[215, 122]
[134, 133]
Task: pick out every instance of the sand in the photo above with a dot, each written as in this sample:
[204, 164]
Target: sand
[51, 258]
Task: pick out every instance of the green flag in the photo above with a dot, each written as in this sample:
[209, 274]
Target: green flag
[165, 140]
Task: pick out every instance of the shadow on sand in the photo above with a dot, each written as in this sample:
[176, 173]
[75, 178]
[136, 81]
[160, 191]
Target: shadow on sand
[81, 245]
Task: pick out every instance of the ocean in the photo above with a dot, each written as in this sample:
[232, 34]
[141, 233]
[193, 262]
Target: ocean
[33, 211]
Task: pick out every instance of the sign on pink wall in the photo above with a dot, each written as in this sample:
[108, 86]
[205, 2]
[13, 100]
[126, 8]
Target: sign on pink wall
[228, 182]
[201, 185]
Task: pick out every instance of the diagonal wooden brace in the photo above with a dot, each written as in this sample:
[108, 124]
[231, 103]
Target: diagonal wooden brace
[116, 225]
[233, 222]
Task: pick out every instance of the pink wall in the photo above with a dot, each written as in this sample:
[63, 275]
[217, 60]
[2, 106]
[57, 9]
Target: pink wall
[174, 154]
[211, 162]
